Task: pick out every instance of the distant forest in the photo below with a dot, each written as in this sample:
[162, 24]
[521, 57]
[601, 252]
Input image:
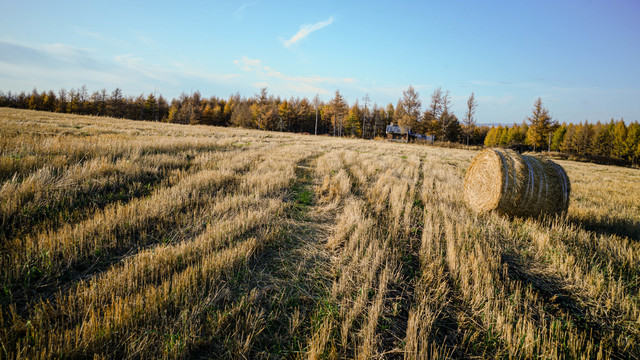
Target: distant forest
[612, 142]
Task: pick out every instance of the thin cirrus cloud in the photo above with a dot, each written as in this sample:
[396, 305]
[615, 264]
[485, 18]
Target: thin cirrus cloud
[279, 81]
[306, 30]
[239, 11]
[55, 66]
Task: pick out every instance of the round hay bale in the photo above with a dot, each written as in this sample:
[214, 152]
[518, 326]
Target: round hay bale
[514, 184]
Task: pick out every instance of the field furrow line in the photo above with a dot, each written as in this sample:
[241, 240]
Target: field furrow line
[441, 320]
[270, 305]
[596, 300]
[48, 202]
[125, 239]
[79, 250]
[190, 288]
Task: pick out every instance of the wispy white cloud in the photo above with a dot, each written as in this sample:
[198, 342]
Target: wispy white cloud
[495, 100]
[174, 74]
[146, 40]
[53, 66]
[536, 86]
[307, 29]
[139, 66]
[289, 83]
[393, 92]
[106, 39]
[239, 11]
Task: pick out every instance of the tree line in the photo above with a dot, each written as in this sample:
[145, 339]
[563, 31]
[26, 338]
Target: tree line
[337, 117]
[613, 140]
[264, 111]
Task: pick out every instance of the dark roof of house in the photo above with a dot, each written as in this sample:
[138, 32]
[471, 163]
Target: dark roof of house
[396, 129]
[424, 137]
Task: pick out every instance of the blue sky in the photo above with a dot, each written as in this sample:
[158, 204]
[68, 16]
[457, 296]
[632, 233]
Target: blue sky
[580, 57]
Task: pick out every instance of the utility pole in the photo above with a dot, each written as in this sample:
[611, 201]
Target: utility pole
[316, 100]
[335, 123]
[155, 105]
[191, 106]
[364, 117]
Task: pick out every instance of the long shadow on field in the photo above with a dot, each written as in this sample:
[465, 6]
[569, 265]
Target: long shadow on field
[561, 304]
[34, 284]
[51, 211]
[628, 272]
[609, 226]
[31, 287]
[401, 295]
[558, 301]
[78, 208]
[274, 296]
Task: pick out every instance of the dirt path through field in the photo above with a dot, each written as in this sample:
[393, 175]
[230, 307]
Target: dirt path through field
[274, 296]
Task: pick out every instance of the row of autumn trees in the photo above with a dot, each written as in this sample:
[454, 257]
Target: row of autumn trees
[336, 117]
[613, 140]
[265, 111]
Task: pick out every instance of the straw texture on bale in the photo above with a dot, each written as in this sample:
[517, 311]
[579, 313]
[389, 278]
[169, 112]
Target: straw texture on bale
[514, 184]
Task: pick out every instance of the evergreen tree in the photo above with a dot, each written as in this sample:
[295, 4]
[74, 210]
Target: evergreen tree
[242, 116]
[539, 130]
[515, 136]
[115, 106]
[261, 110]
[83, 99]
[194, 110]
[633, 140]
[337, 110]
[377, 120]
[601, 143]
[34, 100]
[73, 107]
[619, 139]
[390, 113]
[173, 110]
[49, 101]
[61, 105]
[558, 137]
[583, 138]
[479, 134]
[353, 123]
[492, 137]
[503, 136]
[568, 143]
[452, 130]
[287, 114]
[150, 108]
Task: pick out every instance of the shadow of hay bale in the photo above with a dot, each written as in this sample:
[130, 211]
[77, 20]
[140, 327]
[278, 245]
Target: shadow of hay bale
[609, 226]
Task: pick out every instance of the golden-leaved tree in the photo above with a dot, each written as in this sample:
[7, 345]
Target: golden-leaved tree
[408, 109]
[540, 128]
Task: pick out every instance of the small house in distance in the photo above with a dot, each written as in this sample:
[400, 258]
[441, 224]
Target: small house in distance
[402, 134]
[397, 133]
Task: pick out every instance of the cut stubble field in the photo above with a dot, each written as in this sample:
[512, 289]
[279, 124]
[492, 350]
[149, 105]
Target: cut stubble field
[124, 239]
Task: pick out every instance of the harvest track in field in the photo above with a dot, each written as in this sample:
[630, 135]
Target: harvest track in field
[137, 239]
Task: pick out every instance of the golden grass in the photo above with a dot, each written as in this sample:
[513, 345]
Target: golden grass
[134, 239]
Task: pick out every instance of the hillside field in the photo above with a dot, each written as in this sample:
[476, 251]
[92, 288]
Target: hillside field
[131, 239]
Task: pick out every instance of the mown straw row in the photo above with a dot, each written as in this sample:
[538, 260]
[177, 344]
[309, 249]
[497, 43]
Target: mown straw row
[222, 257]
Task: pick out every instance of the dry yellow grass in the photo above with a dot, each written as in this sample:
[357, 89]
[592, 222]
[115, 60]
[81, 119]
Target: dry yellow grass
[137, 240]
